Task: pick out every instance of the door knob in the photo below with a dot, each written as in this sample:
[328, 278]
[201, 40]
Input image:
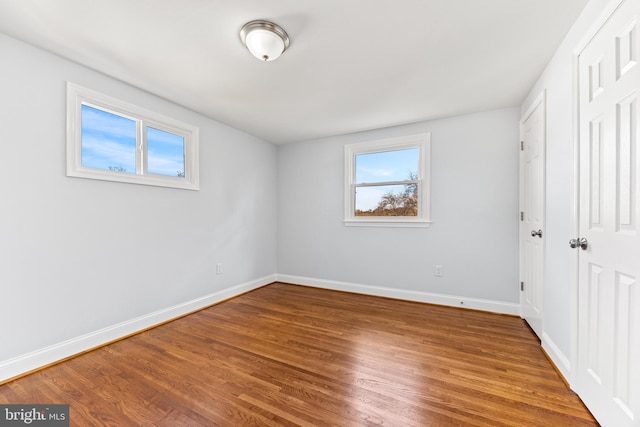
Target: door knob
[535, 233]
[584, 243]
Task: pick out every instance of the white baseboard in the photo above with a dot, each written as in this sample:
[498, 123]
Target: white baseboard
[28, 362]
[557, 357]
[427, 297]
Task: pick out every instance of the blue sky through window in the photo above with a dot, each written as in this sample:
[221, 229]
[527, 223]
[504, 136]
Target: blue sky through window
[109, 143]
[165, 152]
[108, 140]
[385, 166]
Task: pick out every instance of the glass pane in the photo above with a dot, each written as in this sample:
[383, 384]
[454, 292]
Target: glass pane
[165, 153]
[385, 166]
[387, 200]
[108, 141]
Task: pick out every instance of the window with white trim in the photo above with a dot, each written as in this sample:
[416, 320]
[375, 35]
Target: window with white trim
[113, 140]
[387, 182]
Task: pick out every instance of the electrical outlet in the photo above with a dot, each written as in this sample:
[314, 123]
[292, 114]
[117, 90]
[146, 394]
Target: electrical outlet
[219, 268]
[439, 271]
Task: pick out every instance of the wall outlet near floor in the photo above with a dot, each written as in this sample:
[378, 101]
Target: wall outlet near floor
[219, 268]
[439, 271]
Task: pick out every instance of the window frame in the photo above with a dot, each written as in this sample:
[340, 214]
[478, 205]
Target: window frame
[78, 96]
[420, 141]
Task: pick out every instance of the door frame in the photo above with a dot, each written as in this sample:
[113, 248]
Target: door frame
[604, 16]
[539, 101]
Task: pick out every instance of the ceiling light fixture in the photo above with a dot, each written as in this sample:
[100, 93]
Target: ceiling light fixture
[265, 40]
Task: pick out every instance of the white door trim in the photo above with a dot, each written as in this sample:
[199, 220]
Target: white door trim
[537, 101]
[606, 14]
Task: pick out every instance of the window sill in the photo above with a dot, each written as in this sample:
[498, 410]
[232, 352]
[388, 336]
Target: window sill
[387, 223]
[153, 180]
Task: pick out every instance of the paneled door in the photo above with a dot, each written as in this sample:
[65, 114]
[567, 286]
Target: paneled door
[532, 182]
[608, 376]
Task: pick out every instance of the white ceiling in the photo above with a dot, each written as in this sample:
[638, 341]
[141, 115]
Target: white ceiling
[352, 65]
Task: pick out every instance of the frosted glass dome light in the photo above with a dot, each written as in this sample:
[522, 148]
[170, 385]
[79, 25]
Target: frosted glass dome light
[265, 40]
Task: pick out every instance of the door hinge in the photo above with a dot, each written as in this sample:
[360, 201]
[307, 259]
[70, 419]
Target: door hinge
[522, 286]
[521, 145]
[521, 216]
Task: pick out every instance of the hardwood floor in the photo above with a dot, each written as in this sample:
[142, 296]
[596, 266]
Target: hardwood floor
[287, 355]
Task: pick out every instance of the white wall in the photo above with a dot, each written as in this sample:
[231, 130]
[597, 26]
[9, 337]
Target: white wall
[557, 81]
[474, 208]
[79, 255]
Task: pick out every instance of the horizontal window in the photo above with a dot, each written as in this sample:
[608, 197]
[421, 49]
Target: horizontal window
[386, 182]
[112, 140]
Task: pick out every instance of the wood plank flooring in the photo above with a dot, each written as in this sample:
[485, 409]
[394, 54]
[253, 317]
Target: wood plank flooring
[287, 355]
